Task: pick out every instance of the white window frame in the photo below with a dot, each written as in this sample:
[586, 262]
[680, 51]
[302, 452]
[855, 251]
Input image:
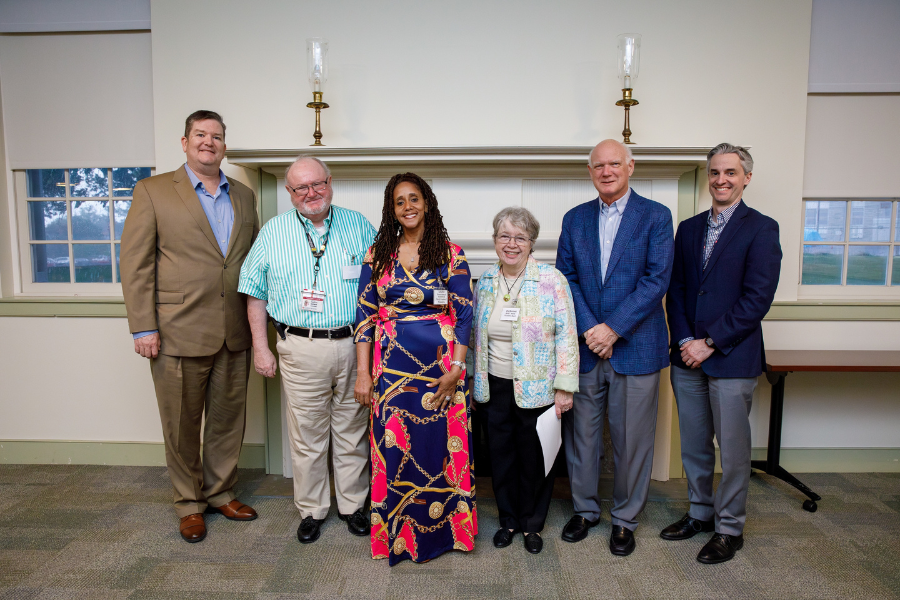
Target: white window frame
[58, 289]
[885, 291]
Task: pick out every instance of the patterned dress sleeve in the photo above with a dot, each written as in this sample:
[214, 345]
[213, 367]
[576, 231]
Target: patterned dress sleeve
[459, 285]
[366, 304]
[566, 337]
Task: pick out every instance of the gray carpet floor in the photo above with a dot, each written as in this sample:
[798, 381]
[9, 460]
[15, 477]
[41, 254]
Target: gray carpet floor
[97, 532]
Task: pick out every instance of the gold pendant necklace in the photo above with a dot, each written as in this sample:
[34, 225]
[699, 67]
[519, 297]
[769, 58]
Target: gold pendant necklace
[509, 289]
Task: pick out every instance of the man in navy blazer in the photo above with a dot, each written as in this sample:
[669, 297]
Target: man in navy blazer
[616, 252]
[727, 262]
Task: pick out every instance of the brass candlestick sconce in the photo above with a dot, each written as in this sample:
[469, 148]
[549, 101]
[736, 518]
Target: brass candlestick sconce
[629, 58]
[317, 68]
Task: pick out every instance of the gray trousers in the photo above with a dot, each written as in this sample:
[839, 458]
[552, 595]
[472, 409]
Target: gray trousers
[631, 401]
[717, 406]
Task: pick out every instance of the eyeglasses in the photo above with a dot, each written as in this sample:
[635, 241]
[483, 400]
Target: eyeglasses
[519, 240]
[316, 186]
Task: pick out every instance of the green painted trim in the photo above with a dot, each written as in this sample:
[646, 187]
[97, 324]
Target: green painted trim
[829, 460]
[274, 444]
[62, 307]
[153, 454]
[834, 311]
[687, 195]
[268, 196]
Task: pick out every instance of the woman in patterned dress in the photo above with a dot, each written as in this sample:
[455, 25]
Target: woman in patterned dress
[413, 320]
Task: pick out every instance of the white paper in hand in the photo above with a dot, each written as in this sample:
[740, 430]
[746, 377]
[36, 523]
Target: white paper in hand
[549, 430]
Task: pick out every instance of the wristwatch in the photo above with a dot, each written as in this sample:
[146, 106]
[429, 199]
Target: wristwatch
[459, 364]
[709, 342]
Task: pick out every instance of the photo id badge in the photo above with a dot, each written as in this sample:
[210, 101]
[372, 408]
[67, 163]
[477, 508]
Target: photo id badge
[509, 314]
[312, 300]
[440, 296]
[352, 271]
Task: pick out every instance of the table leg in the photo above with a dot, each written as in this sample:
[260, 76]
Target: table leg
[772, 464]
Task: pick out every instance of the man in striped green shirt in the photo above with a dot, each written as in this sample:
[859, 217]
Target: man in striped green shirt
[303, 271]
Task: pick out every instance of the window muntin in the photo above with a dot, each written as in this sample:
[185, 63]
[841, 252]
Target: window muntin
[850, 243]
[74, 238]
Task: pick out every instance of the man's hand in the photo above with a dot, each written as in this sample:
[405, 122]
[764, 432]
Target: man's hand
[563, 401]
[695, 352]
[600, 339]
[264, 361]
[147, 346]
[363, 389]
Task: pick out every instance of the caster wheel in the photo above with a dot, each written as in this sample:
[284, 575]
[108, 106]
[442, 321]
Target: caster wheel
[810, 506]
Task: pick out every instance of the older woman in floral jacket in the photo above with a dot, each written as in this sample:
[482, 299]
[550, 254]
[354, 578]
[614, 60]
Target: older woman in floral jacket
[526, 359]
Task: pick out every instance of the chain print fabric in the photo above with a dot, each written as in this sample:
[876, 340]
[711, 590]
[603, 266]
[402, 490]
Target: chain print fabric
[423, 486]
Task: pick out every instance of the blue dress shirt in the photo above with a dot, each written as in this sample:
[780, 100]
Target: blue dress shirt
[610, 217]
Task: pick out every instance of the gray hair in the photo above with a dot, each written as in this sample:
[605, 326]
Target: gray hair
[628, 155]
[726, 148]
[518, 217]
[305, 157]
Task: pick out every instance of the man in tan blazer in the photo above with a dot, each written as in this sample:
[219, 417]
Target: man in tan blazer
[186, 235]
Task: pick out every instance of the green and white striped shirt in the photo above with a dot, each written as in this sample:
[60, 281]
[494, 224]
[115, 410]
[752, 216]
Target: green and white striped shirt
[280, 265]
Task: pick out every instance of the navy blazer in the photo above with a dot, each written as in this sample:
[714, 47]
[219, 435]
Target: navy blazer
[728, 300]
[630, 300]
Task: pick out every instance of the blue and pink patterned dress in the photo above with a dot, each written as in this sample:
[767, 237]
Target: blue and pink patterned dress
[423, 487]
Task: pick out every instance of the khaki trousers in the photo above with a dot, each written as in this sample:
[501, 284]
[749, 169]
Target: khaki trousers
[318, 376]
[187, 389]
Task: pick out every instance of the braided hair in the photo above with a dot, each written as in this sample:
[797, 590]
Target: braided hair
[433, 249]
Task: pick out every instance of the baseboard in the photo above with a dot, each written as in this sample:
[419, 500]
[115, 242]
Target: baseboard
[136, 454]
[831, 460]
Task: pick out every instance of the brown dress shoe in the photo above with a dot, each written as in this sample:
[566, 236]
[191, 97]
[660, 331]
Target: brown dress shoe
[192, 528]
[235, 511]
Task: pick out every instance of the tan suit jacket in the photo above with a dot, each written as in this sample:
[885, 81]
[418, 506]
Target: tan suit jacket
[174, 277]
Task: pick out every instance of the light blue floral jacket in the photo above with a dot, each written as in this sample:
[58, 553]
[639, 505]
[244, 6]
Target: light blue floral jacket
[545, 340]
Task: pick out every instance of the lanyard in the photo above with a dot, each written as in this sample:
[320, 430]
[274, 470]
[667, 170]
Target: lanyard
[318, 253]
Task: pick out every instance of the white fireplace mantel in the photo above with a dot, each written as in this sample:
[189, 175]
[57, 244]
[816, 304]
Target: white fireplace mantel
[473, 183]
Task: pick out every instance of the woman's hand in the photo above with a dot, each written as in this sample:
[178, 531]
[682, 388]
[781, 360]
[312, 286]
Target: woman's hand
[362, 391]
[446, 387]
[563, 402]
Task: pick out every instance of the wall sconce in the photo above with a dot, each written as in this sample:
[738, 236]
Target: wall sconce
[317, 69]
[628, 54]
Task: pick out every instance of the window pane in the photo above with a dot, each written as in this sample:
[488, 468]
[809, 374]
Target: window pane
[92, 263]
[118, 272]
[822, 265]
[897, 225]
[50, 263]
[89, 183]
[124, 180]
[824, 221]
[90, 220]
[46, 183]
[870, 222]
[121, 208]
[895, 272]
[48, 220]
[867, 265]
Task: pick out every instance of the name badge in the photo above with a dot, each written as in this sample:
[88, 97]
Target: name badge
[509, 314]
[312, 300]
[352, 271]
[440, 296]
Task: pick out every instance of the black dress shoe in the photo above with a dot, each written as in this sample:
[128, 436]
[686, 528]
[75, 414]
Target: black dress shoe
[503, 537]
[720, 548]
[577, 528]
[534, 543]
[357, 523]
[308, 532]
[685, 528]
[621, 541]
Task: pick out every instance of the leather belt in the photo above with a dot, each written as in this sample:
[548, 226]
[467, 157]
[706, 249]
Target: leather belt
[331, 334]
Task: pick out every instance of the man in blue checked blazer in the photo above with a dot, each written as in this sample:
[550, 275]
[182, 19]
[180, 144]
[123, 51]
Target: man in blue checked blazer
[727, 263]
[616, 252]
